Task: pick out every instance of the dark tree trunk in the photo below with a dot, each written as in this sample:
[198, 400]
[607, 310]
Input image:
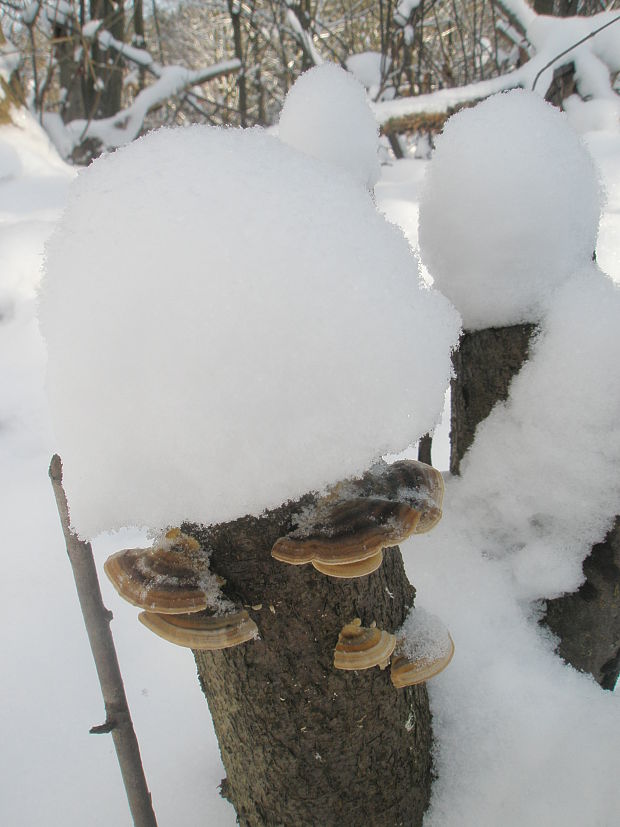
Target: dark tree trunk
[484, 365]
[70, 73]
[106, 66]
[543, 6]
[303, 743]
[425, 447]
[234, 10]
[587, 622]
[562, 86]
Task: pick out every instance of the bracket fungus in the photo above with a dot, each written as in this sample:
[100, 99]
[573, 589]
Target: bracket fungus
[361, 647]
[202, 631]
[424, 649]
[345, 532]
[174, 585]
[168, 578]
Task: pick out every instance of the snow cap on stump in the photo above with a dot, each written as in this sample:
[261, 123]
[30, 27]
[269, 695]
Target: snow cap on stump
[326, 115]
[510, 209]
[230, 324]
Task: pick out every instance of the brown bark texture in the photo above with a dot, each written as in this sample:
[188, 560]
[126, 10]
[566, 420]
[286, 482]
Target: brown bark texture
[303, 743]
[484, 365]
[586, 622]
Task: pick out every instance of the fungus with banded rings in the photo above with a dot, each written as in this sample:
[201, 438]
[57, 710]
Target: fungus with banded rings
[202, 631]
[361, 647]
[344, 533]
[424, 649]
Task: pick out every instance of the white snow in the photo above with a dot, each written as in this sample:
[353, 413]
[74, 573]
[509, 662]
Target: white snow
[561, 459]
[230, 324]
[326, 115]
[592, 115]
[423, 636]
[510, 209]
[403, 11]
[370, 69]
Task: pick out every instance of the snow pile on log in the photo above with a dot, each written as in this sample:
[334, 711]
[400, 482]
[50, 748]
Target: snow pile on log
[230, 324]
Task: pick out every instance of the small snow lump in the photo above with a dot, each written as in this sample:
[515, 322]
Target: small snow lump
[326, 115]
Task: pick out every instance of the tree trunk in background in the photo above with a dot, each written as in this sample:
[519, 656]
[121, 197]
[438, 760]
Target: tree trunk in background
[587, 622]
[11, 92]
[106, 66]
[234, 10]
[484, 365]
[543, 6]
[562, 86]
[305, 744]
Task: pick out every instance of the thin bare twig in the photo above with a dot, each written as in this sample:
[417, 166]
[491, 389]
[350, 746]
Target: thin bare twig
[97, 622]
[574, 46]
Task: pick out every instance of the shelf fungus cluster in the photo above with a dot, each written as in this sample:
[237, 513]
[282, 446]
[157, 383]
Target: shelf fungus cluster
[344, 533]
[181, 598]
[361, 647]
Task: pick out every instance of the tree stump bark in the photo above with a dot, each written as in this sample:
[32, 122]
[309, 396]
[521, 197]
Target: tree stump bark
[587, 622]
[484, 366]
[303, 743]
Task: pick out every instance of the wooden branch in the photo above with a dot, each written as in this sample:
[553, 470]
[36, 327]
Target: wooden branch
[97, 621]
[423, 121]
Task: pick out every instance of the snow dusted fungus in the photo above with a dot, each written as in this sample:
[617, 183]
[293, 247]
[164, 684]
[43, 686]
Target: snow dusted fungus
[423, 636]
[230, 324]
[510, 209]
[326, 115]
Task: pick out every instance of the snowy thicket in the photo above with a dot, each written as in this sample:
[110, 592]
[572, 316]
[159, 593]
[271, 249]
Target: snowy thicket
[230, 323]
[591, 43]
[510, 209]
[326, 115]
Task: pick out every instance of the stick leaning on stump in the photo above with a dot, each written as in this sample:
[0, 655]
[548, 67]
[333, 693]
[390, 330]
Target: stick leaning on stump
[97, 622]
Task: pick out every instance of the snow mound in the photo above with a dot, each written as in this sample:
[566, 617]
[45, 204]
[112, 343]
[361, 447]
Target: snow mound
[423, 637]
[327, 116]
[230, 324]
[10, 165]
[557, 440]
[510, 209]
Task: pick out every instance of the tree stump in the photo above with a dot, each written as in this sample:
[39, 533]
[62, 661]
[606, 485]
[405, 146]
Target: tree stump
[303, 743]
[587, 622]
[484, 366]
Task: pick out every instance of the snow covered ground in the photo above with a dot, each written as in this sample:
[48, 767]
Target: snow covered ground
[521, 739]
